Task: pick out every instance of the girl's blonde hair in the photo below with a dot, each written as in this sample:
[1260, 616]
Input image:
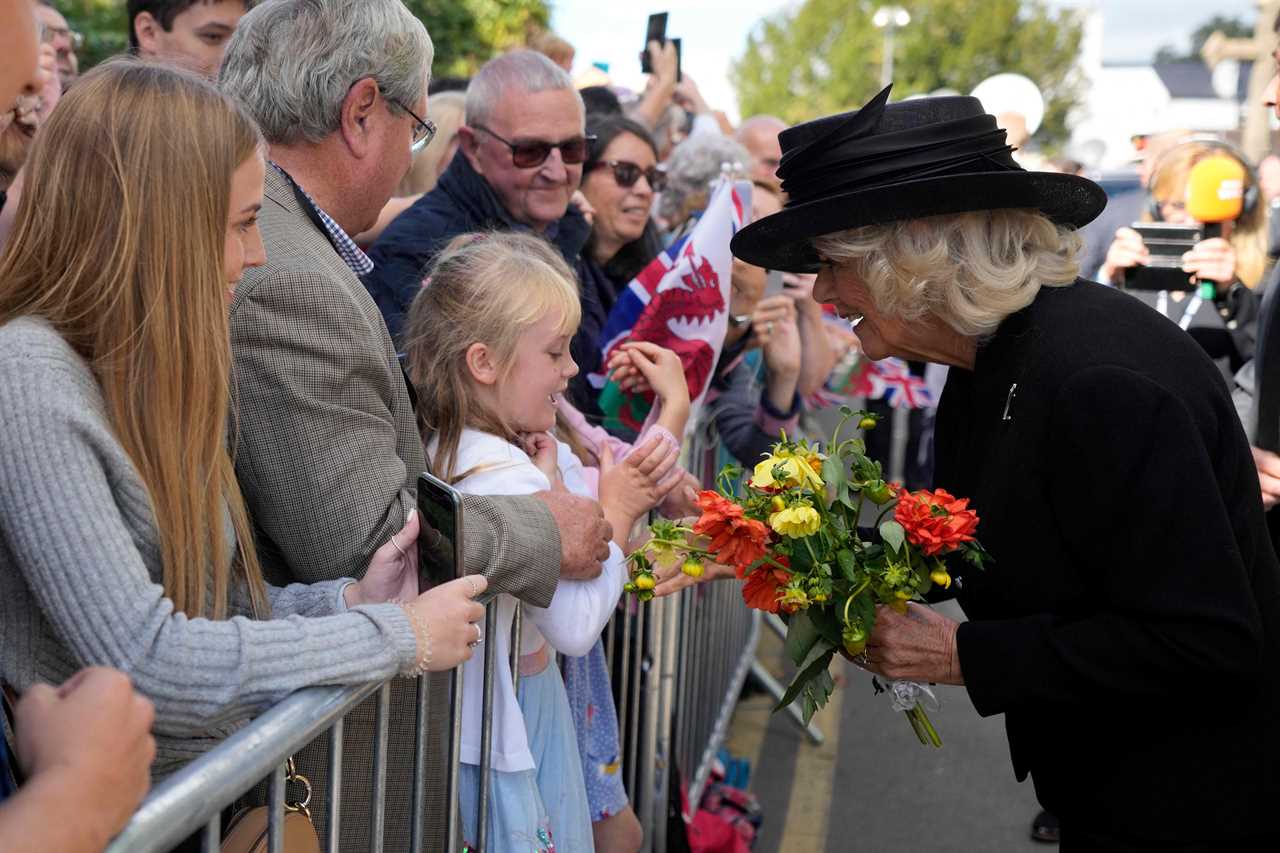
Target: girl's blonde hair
[483, 288]
[970, 270]
[119, 246]
[1250, 234]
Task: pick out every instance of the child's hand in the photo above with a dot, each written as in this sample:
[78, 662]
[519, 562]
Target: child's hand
[683, 499]
[541, 448]
[671, 580]
[632, 487]
[624, 372]
[663, 371]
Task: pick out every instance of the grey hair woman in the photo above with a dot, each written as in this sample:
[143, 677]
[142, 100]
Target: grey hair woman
[1116, 489]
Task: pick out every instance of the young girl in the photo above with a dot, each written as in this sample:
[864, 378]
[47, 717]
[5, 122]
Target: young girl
[487, 344]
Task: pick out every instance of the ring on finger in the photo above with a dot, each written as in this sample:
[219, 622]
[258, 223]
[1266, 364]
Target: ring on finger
[397, 544]
[479, 635]
[475, 588]
[768, 327]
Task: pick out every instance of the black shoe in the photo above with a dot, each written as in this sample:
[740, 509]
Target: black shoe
[1045, 828]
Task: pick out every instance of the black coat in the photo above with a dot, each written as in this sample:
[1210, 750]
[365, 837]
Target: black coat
[1128, 627]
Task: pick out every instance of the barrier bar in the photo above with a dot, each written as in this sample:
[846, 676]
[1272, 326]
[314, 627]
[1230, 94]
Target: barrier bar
[335, 787]
[275, 813]
[486, 726]
[417, 824]
[378, 823]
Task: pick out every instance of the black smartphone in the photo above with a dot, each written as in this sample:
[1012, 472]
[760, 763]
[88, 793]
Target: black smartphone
[656, 31]
[440, 538]
[679, 72]
[1167, 243]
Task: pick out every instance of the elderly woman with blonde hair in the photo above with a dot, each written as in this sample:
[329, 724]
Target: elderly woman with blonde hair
[1133, 575]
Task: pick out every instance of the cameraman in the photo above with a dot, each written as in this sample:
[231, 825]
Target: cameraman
[1236, 262]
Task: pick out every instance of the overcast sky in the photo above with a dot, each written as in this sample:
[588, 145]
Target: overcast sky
[715, 32]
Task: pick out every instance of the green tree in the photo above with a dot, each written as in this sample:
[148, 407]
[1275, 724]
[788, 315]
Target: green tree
[1230, 27]
[466, 33]
[824, 56]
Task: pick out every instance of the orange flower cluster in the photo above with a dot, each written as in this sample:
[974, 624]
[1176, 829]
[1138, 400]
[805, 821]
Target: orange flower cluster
[763, 588]
[736, 540]
[936, 521]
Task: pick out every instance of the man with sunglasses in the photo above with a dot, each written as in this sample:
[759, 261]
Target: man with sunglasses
[522, 149]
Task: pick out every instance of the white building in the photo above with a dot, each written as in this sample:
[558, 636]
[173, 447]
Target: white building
[1120, 100]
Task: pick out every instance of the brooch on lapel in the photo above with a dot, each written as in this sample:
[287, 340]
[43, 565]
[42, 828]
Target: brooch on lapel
[1008, 402]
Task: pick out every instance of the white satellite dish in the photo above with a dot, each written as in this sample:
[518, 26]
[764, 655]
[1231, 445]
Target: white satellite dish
[1012, 93]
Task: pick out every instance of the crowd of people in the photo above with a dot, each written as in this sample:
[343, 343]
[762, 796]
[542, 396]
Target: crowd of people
[261, 273]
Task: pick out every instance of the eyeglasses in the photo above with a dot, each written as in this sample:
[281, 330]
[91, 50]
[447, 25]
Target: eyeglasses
[626, 174]
[49, 33]
[424, 129]
[528, 154]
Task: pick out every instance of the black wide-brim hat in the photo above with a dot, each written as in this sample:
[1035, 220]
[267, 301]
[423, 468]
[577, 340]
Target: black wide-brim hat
[889, 162]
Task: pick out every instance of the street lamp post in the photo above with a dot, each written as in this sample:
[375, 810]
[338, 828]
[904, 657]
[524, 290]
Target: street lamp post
[889, 19]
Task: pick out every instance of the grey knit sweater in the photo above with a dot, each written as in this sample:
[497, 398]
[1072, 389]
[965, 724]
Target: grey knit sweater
[80, 574]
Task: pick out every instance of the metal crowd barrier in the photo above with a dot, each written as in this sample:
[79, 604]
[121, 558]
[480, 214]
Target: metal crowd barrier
[677, 665]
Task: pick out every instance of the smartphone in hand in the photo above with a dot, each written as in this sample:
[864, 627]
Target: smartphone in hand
[655, 31]
[440, 539]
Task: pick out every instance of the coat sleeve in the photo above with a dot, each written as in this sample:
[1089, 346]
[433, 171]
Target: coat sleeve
[1150, 526]
[746, 424]
[316, 444]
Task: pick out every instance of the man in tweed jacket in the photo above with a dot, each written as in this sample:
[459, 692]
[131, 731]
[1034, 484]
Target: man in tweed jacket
[327, 445]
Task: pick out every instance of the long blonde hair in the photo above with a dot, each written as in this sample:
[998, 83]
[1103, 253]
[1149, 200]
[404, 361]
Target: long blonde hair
[483, 288]
[1249, 237]
[119, 246]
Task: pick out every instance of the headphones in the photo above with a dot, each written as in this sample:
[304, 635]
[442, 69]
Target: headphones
[1251, 192]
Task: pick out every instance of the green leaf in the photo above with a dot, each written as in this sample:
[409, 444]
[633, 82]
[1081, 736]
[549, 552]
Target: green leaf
[893, 535]
[827, 622]
[802, 634]
[815, 668]
[833, 473]
[844, 558]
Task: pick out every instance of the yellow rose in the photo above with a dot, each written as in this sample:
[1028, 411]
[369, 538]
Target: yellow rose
[796, 521]
[799, 472]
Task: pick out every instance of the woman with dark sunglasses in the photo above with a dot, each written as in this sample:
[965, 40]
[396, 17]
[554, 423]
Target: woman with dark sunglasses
[619, 180]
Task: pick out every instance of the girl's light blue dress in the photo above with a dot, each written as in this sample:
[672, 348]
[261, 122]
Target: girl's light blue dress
[542, 810]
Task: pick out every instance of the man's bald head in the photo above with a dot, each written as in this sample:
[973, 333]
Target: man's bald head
[759, 135]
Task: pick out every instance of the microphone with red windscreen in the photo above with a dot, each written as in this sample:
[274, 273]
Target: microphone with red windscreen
[1215, 192]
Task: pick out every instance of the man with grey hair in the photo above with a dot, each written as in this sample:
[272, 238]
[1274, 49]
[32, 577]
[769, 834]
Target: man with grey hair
[327, 446]
[759, 135]
[522, 145]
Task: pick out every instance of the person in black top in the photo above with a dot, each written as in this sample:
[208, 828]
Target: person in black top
[1128, 627]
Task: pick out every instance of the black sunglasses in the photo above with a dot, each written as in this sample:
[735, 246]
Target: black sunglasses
[626, 174]
[527, 154]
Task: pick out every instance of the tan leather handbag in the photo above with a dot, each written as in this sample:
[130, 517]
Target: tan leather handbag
[247, 832]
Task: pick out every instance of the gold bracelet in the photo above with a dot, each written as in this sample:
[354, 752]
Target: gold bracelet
[423, 636]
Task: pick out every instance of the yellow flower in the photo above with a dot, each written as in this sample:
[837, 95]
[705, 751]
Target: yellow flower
[793, 599]
[664, 552]
[796, 522]
[799, 472]
[941, 578]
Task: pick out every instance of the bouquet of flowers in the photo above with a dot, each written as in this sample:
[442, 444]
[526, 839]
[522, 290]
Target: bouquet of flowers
[795, 536]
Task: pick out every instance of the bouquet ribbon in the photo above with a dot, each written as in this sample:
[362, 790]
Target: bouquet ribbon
[906, 695]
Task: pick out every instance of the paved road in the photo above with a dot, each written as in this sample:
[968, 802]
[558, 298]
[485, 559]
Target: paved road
[872, 787]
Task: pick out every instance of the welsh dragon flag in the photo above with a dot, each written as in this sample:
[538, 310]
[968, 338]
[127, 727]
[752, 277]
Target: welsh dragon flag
[679, 301]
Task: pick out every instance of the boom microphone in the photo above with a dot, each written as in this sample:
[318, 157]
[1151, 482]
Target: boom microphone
[1215, 192]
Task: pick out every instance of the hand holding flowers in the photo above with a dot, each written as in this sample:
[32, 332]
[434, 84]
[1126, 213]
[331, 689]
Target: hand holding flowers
[795, 537]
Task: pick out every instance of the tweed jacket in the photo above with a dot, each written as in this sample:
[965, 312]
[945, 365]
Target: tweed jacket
[328, 453]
